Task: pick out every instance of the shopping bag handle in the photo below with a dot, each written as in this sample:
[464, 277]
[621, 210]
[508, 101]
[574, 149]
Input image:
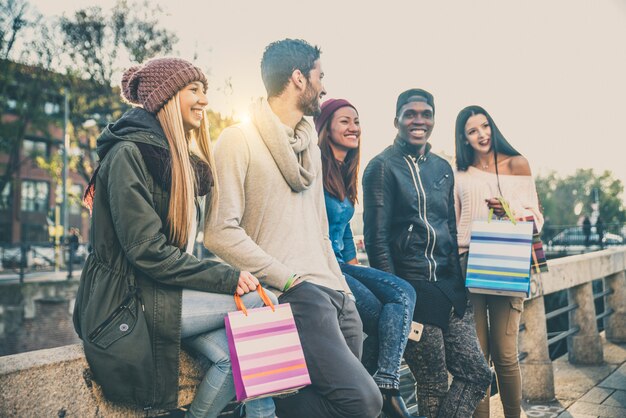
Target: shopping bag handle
[266, 300]
[507, 210]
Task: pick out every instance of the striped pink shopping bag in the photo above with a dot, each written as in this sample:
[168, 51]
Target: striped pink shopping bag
[265, 350]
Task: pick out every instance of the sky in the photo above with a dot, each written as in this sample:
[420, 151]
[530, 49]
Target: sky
[552, 74]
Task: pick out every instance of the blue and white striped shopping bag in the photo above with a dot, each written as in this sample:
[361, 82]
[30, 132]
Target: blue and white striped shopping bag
[499, 258]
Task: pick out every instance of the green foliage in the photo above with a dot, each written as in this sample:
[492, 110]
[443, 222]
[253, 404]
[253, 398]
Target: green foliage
[85, 37]
[94, 38]
[217, 123]
[12, 22]
[560, 196]
[139, 30]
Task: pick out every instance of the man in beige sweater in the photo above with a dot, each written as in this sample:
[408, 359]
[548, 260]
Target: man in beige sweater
[271, 221]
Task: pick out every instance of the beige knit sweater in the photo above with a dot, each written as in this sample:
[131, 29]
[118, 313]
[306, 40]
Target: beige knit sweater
[473, 186]
[272, 217]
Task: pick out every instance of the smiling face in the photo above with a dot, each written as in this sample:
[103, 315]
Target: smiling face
[415, 122]
[345, 129]
[193, 100]
[309, 102]
[478, 133]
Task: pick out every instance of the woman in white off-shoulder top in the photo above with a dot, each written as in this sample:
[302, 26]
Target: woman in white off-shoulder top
[488, 167]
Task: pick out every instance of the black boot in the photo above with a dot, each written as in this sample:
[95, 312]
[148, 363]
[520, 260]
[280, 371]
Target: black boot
[393, 405]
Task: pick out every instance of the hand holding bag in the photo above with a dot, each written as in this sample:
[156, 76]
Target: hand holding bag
[499, 256]
[265, 350]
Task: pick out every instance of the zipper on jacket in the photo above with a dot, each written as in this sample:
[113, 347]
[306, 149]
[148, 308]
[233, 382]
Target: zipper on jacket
[419, 190]
[408, 237]
[434, 240]
[110, 318]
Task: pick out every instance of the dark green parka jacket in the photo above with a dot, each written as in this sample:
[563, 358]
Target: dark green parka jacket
[136, 360]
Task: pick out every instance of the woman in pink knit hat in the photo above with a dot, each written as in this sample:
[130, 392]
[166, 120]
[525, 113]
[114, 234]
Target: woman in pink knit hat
[385, 302]
[142, 290]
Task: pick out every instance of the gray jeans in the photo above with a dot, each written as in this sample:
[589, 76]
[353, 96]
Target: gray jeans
[456, 350]
[331, 334]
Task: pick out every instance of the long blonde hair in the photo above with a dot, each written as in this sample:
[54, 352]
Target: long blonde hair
[182, 210]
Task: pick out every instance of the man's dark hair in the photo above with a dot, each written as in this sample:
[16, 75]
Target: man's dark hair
[281, 58]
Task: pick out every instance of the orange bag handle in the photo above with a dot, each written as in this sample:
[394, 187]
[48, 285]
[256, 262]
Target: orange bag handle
[266, 300]
[535, 264]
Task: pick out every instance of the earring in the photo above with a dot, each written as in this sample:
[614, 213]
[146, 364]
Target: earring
[466, 143]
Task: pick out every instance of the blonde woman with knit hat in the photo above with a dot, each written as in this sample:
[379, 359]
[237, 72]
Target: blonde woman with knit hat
[141, 289]
[490, 169]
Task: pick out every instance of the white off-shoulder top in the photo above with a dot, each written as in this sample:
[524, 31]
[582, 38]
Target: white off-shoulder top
[473, 186]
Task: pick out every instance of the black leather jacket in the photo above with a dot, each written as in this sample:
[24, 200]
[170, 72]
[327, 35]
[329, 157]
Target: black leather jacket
[410, 225]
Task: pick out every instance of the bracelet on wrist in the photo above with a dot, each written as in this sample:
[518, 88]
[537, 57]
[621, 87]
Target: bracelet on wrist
[290, 281]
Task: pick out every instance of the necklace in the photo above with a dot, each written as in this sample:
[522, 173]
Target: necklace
[483, 166]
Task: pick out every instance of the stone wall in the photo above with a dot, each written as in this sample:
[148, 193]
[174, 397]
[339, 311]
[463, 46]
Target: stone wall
[57, 382]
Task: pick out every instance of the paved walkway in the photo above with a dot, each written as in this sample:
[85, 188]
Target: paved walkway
[583, 391]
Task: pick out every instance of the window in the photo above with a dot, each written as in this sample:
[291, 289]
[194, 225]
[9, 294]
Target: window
[5, 197]
[35, 196]
[35, 148]
[51, 108]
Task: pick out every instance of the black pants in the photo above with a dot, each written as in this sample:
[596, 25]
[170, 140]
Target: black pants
[456, 351]
[331, 334]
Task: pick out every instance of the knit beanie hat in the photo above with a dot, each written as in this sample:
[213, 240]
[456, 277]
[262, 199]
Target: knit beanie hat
[329, 107]
[152, 84]
[405, 97]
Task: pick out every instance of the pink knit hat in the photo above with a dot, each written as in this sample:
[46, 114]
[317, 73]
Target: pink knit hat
[152, 84]
[327, 109]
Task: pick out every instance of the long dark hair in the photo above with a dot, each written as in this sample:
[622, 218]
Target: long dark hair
[340, 179]
[464, 152]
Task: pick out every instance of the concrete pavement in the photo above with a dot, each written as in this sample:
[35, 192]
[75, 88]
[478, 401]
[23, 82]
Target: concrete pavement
[583, 391]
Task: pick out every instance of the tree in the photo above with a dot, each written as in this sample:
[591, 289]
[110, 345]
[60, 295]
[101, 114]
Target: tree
[564, 199]
[94, 38]
[12, 21]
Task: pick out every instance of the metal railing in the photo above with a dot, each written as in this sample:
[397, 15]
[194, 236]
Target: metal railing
[34, 257]
[592, 288]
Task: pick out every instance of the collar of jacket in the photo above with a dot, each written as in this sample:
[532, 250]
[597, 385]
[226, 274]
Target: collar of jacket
[143, 128]
[143, 125]
[410, 150]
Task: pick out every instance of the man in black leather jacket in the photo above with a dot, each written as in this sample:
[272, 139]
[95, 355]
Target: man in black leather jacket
[410, 231]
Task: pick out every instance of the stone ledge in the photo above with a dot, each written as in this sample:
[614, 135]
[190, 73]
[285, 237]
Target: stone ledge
[574, 270]
[57, 382]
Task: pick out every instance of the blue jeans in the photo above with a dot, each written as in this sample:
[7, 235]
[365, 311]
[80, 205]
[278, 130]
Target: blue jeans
[385, 303]
[202, 324]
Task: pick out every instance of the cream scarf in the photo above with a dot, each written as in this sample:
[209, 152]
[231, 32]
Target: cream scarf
[294, 151]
